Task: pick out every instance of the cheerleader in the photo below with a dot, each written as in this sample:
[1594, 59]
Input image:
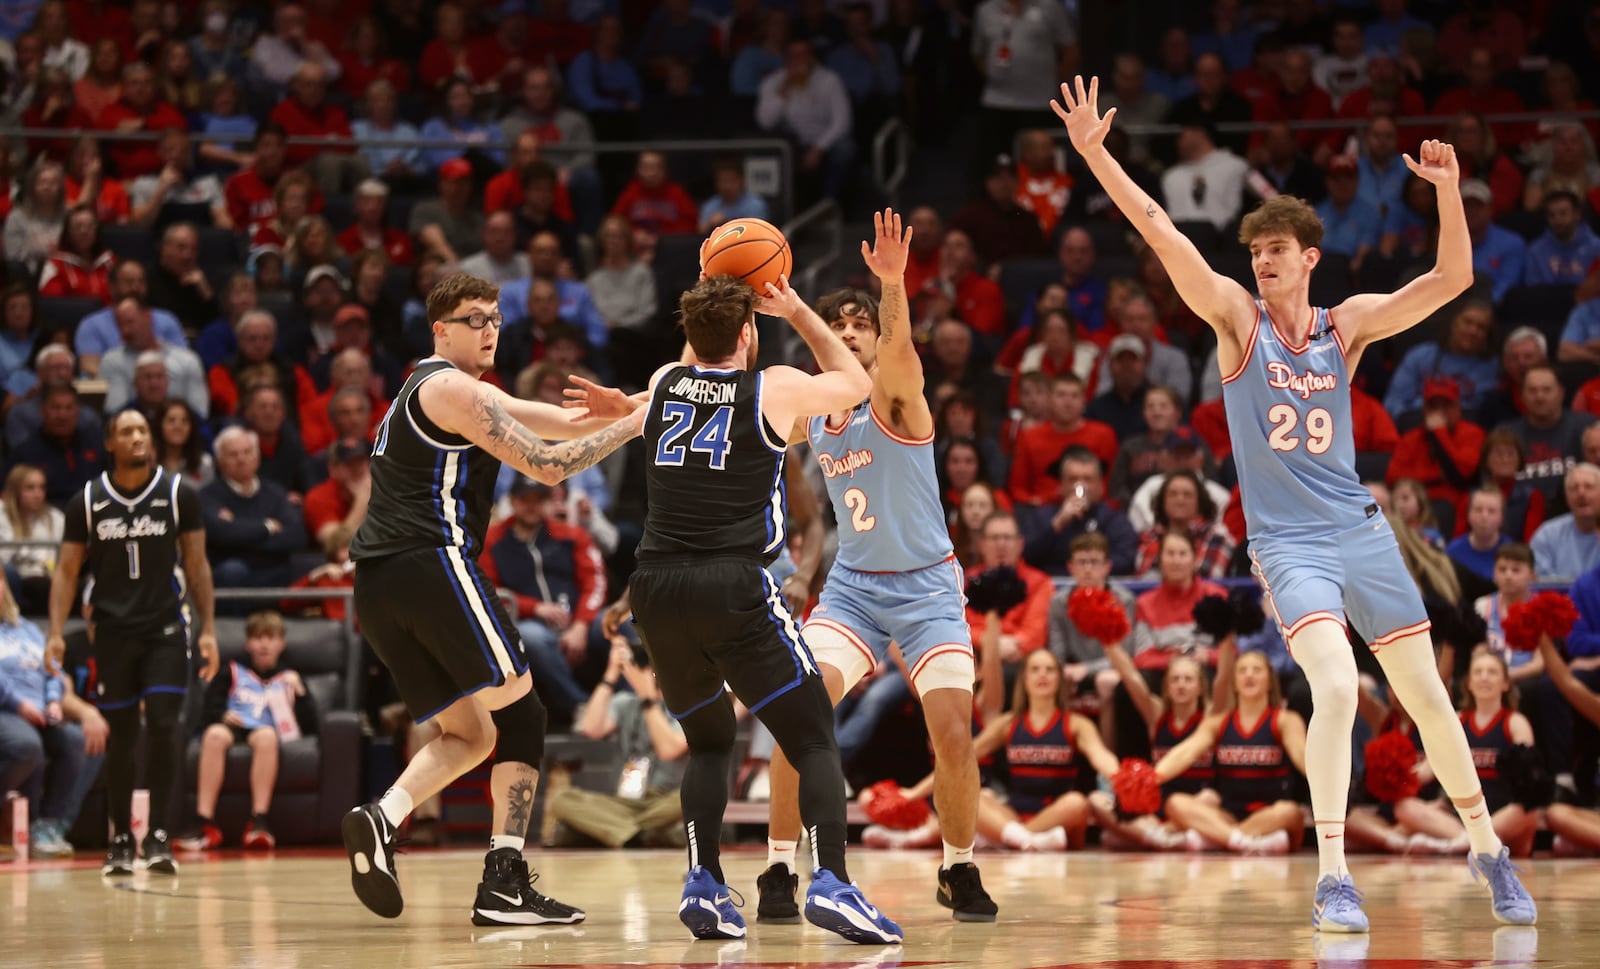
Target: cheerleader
[1254, 745]
[1384, 827]
[1577, 829]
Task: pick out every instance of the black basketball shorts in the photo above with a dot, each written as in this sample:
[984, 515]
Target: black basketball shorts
[131, 665]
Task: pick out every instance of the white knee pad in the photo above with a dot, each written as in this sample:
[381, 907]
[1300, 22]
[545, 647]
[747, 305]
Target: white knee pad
[837, 646]
[948, 667]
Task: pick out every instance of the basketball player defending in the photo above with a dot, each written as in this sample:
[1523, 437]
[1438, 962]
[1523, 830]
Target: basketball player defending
[708, 610]
[432, 616]
[1320, 548]
[895, 578]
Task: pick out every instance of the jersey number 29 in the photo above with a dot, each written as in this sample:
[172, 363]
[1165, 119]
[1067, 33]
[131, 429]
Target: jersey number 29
[1284, 418]
[711, 440]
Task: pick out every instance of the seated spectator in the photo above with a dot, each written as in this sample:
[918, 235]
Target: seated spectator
[307, 113]
[1572, 167]
[416, 339]
[960, 417]
[960, 464]
[1411, 229]
[1476, 548]
[499, 261]
[1580, 338]
[34, 226]
[178, 284]
[1083, 658]
[311, 245]
[176, 193]
[1462, 355]
[101, 85]
[1501, 469]
[999, 227]
[1140, 456]
[338, 572]
[645, 803]
[1442, 453]
[758, 60]
[565, 136]
[349, 369]
[139, 109]
[1207, 184]
[53, 107]
[1352, 226]
[950, 362]
[215, 341]
[1184, 451]
[575, 304]
[1166, 365]
[283, 457]
[1164, 616]
[1343, 70]
[1567, 546]
[1023, 628]
[1212, 103]
[1497, 252]
[1054, 348]
[214, 50]
[1381, 171]
[1181, 504]
[1481, 94]
[732, 200]
[150, 387]
[1551, 435]
[1082, 510]
[601, 79]
[1299, 98]
[88, 183]
[449, 54]
[623, 288]
[260, 704]
[1568, 247]
[1172, 76]
[1413, 511]
[653, 203]
[253, 529]
[388, 141]
[480, 144]
[503, 193]
[447, 226]
[252, 194]
[186, 377]
[365, 59]
[1086, 289]
[81, 264]
[69, 454]
[225, 115]
[352, 330]
[275, 57]
[341, 500]
[1043, 189]
[559, 583]
[51, 740]
[538, 193]
[52, 365]
[370, 230]
[29, 518]
[180, 446]
[1134, 100]
[865, 65]
[1039, 449]
[978, 502]
[960, 290]
[809, 104]
[1120, 405]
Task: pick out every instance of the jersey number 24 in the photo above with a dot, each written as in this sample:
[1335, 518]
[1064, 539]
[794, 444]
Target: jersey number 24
[712, 439]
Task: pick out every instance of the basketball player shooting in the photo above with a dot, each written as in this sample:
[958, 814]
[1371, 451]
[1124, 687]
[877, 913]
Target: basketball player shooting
[1320, 549]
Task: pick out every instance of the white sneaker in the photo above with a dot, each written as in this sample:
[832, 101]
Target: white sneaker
[1276, 843]
[760, 788]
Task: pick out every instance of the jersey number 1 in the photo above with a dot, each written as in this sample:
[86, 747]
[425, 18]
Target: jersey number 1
[711, 440]
[133, 559]
[1284, 418]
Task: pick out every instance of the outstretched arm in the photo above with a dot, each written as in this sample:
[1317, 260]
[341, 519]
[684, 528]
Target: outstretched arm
[1183, 756]
[1368, 317]
[1218, 300]
[899, 376]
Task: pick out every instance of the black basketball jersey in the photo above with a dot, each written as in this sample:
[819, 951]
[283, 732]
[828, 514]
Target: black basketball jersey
[715, 467]
[131, 550]
[430, 489]
[1168, 735]
[1252, 766]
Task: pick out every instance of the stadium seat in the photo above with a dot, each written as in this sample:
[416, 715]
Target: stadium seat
[219, 248]
[340, 211]
[1204, 235]
[1111, 238]
[677, 266]
[1021, 279]
[66, 311]
[1543, 307]
[128, 241]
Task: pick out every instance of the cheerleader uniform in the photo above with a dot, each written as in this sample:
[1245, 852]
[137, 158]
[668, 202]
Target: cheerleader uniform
[1042, 765]
[1252, 768]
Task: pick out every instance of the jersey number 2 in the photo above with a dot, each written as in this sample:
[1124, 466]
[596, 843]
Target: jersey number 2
[1319, 429]
[856, 500]
[711, 440]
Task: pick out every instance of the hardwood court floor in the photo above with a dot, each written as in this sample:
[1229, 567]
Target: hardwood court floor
[296, 911]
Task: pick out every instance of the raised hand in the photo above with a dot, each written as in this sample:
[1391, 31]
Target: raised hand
[1079, 110]
[589, 399]
[780, 300]
[1435, 162]
[891, 246]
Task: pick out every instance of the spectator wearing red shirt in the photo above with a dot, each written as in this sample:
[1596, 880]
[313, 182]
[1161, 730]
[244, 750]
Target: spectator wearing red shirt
[351, 369]
[365, 59]
[1300, 100]
[505, 55]
[1482, 95]
[370, 231]
[329, 22]
[1444, 452]
[973, 297]
[53, 107]
[449, 54]
[97, 20]
[1479, 156]
[306, 113]
[1042, 187]
[1163, 623]
[1034, 466]
[654, 204]
[341, 501]
[1386, 93]
[504, 191]
[1025, 627]
[1483, 24]
[252, 193]
[557, 36]
[81, 264]
[88, 183]
[1371, 425]
[138, 110]
[927, 235]
[1210, 420]
[257, 333]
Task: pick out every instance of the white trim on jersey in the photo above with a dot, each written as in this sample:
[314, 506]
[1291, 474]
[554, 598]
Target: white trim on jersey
[498, 647]
[88, 508]
[761, 420]
[447, 498]
[779, 608]
[406, 406]
[775, 515]
[129, 503]
[177, 519]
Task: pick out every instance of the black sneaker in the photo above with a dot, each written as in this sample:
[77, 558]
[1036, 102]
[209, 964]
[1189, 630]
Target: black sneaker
[961, 891]
[776, 887]
[157, 851]
[506, 895]
[369, 840]
[120, 858]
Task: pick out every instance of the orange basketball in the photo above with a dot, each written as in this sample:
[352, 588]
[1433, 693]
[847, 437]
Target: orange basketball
[750, 249]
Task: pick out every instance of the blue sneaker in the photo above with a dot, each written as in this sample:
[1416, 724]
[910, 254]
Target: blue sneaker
[1512, 903]
[1337, 907]
[833, 905]
[707, 907]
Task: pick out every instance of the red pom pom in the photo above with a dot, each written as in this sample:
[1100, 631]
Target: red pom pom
[1390, 758]
[1137, 788]
[1556, 614]
[885, 805]
[1521, 626]
[1097, 614]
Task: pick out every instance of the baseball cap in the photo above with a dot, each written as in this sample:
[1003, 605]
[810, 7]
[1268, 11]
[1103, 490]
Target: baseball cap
[351, 313]
[1342, 165]
[455, 168]
[524, 485]
[349, 449]
[1441, 388]
[319, 273]
[1181, 437]
[1126, 343]
[1477, 190]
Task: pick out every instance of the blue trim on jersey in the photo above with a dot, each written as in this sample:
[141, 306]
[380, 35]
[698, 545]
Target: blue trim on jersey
[698, 706]
[796, 648]
[461, 509]
[119, 706]
[466, 610]
[438, 500]
[494, 617]
[125, 704]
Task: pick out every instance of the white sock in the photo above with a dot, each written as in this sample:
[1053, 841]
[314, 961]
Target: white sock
[1195, 841]
[956, 856]
[498, 841]
[781, 852]
[1053, 840]
[1397, 843]
[396, 805]
[1239, 841]
[1330, 850]
[1016, 836]
[1276, 843]
[1480, 829]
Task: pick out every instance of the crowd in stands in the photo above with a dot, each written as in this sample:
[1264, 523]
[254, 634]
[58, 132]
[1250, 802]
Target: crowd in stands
[260, 297]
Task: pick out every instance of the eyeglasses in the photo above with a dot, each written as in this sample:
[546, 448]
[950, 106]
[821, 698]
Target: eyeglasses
[477, 320]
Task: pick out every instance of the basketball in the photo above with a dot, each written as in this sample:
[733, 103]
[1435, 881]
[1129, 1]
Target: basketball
[750, 249]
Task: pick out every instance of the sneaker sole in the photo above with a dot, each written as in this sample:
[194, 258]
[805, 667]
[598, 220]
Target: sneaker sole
[1329, 926]
[489, 916]
[378, 890]
[964, 916]
[117, 871]
[705, 922]
[163, 866]
[848, 923]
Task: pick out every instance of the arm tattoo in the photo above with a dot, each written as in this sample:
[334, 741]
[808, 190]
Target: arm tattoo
[1150, 210]
[519, 801]
[889, 309]
[513, 442]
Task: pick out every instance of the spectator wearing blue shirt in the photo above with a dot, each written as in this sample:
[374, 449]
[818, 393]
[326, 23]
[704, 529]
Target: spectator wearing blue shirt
[1496, 252]
[1568, 247]
[1383, 173]
[1462, 355]
[1474, 549]
[1086, 290]
[456, 123]
[98, 334]
[1172, 76]
[1567, 546]
[387, 142]
[576, 305]
[1231, 36]
[1411, 228]
[1584, 640]
[752, 64]
[226, 118]
[866, 65]
[732, 200]
[1580, 338]
[1350, 226]
[1383, 36]
[601, 79]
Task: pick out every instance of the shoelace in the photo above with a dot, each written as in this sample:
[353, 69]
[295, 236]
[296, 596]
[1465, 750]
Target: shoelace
[733, 893]
[1503, 873]
[1345, 891]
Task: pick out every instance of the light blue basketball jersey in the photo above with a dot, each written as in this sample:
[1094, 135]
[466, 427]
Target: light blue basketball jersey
[1289, 417]
[885, 494]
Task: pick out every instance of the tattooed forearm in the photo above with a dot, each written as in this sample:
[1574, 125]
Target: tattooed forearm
[892, 310]
[510, 441]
